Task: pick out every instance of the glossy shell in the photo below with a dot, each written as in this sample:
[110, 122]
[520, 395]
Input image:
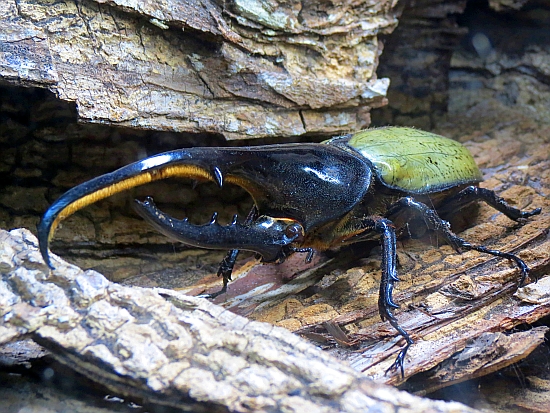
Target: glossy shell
[416, 161]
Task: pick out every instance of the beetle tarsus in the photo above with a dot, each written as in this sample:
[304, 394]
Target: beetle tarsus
[310, 252]
[211, 296]
[398, 364]
[524, 269]
[225, 270]
[226, 266]
[228, 263]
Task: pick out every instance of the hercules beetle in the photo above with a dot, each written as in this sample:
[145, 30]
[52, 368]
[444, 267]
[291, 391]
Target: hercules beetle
[313, 196]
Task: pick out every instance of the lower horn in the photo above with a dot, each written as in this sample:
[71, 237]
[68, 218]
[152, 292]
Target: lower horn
[265, 235]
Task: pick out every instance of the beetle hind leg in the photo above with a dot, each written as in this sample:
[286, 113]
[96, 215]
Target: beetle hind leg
[435, 223]
[474, 193]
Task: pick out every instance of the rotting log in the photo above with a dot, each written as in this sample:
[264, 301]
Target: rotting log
[167, 348]
[243, 69]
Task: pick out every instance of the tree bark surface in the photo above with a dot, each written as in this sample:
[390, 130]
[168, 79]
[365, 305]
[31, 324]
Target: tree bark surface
[168, 348]
[246, 69]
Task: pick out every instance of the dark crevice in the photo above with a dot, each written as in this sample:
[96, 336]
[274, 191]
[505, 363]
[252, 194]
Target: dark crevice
[417, 56]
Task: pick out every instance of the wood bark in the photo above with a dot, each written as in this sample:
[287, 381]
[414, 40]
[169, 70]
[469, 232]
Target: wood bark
[167, 348]
[243, 69]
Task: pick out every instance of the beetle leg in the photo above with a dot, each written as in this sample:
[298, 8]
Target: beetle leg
[474, 193]
[443, 227]
[224, 270]
[310, 252]
[228, 263]
[386, 229]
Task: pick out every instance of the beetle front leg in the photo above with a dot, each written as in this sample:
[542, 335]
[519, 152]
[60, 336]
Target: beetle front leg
[228, 263]
[224, 270]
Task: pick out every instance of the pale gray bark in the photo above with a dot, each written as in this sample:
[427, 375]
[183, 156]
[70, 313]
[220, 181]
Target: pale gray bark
[176, 350]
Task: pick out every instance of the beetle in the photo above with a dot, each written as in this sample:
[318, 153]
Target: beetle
[313, 196]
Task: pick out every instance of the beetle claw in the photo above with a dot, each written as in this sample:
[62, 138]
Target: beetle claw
[398, 364]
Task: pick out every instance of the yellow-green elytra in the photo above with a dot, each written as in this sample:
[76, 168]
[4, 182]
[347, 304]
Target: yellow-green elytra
[416, 161]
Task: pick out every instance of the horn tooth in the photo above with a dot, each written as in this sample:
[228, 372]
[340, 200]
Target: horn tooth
[234, 220]
[218, 176]
[214, 218]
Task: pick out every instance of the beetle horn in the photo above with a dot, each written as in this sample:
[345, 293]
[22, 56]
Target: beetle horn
[189, 163]
[284, 181]
[265, 235]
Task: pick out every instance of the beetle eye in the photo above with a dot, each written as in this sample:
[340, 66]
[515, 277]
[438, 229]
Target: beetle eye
[295, 232]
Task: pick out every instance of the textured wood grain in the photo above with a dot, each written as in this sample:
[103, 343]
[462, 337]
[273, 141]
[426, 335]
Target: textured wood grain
[171, 349]
[245, 70]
